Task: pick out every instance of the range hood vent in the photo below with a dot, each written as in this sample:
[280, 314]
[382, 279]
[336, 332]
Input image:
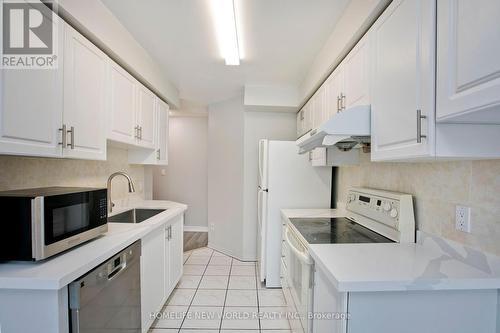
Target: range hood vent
[346, 130]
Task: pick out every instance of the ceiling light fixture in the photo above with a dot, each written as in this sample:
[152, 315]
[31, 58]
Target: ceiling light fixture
[227, 34]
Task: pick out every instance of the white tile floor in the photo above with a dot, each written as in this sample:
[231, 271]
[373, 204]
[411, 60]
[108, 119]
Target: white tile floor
[220, 294]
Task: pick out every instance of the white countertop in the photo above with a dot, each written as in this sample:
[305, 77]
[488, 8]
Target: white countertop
[432, 264]
[58, 271]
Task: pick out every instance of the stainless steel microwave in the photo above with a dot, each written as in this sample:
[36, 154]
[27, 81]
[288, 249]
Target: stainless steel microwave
[41, 222]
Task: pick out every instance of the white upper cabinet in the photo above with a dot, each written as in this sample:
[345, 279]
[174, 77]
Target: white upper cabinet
[402, 81]
[84, 112]
[347, 86]
[121, 105]
[318, 108]
[468, 68]
[304, 119]
[162, 132]
[146, 117]
[333, 90]
[356, 75]
[158, 155]
[31, 109]
[300, 123]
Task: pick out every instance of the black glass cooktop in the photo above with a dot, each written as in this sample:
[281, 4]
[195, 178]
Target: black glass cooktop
[335, 231]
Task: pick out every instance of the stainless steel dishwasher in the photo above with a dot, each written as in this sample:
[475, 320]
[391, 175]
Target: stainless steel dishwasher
[108, 298]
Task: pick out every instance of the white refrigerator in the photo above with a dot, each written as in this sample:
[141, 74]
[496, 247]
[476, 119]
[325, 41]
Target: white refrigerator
[286, 180]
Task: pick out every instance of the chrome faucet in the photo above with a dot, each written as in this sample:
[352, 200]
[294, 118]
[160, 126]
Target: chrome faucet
[131, 188]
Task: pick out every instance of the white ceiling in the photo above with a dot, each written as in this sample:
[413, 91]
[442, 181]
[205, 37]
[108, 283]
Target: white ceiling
[280, 40]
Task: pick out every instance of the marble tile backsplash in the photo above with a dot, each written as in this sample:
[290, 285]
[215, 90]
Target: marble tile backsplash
[437, 188]
[26, 172]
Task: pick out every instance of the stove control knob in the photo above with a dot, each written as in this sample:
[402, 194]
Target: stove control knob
[387, 206]
[394, 213]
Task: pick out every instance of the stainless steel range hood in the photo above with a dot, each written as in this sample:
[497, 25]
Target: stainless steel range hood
[346, 130]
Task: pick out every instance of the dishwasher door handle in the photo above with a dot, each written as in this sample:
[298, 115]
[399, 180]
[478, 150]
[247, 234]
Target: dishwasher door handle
[116, 271]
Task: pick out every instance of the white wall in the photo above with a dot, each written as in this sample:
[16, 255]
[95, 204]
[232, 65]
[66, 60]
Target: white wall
[233, 136]
[185, 178]
[225, 176]
[259, 125]
[97, 22]
[356, 19]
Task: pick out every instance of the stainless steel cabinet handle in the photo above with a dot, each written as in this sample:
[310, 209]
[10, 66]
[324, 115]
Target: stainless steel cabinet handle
[338, 104]
[419, 126]
[136, 131]
[310, 156]
[64, 138]
[170, 232]
[158, 155]
[140, 132]
[342, 101]
[72, 136]
[301, 115]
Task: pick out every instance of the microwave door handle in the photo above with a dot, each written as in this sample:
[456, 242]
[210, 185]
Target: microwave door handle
[301, 255]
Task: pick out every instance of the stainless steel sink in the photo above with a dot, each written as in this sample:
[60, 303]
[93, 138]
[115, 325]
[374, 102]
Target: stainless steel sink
[136, 215]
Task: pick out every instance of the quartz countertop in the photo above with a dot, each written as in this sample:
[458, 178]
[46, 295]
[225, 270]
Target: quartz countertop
[433, 263]
[60, 270]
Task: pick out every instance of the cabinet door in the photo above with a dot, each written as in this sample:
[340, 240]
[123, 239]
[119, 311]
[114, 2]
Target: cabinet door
[318, 157]
[403, 81]
[333, 90]
[327, 299]
[31, 108]
[300, 123]
[167, 282]
[356, 75]
[468, 71]
[152, 275]
[146, 117]
[308, 118]
[319, 116]
[121, 105]
[84, 97]
[162, 133]
[176, 250]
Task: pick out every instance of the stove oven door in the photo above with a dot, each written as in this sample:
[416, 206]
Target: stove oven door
[299, 279]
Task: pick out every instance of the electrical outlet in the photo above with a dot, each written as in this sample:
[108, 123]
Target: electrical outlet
[462, 219]
[212, 226]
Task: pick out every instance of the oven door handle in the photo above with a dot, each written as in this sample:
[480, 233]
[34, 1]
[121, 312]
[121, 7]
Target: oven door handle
[303, 257]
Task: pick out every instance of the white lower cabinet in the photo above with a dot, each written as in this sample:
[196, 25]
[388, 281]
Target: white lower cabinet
[152, 276]
[161, 267]
[174, 254]
[411, 311]
[328, 301]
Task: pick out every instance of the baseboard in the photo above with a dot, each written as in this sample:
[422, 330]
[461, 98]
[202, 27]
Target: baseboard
[228, 252]
[195, 228]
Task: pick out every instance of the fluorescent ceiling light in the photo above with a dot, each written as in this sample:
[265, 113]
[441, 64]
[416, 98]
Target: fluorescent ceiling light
[227, 34]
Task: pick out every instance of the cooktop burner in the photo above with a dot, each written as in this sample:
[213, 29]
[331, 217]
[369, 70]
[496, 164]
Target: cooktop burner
[335, 231]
